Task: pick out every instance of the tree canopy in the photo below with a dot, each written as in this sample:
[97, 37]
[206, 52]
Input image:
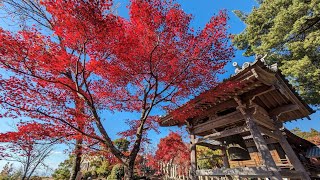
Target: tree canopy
[78, 60]
[288, 32]
[27, 147]
[313, 135]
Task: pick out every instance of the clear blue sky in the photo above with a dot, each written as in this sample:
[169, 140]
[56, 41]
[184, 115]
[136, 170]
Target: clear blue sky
[202, 11]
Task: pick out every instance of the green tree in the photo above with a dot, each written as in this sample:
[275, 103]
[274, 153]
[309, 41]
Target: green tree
[63, 170]
[288, 32]
[9, 173]
[122, 144]
[207, 158]
[297, 131]
[104, 169]
[6, 172]
[313, 135]
[117, 172]
[101, 167]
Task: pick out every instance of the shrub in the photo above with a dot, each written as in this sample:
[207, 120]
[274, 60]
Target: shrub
[117, 172]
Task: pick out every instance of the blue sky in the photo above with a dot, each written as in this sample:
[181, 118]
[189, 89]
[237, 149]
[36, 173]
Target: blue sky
[202, 11]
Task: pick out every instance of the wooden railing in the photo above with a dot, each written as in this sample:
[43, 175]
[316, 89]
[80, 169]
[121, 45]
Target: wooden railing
[174, 172]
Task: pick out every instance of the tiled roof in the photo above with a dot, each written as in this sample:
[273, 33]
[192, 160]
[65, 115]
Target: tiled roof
[313, 152]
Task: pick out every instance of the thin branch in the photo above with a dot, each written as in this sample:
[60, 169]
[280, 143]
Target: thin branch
[56, 118]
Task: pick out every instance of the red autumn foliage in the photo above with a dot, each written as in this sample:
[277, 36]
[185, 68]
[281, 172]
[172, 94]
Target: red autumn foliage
[191, 109]
[315, 140]
[97, 62]
[171, 149]
[24, 139]
[150, 124]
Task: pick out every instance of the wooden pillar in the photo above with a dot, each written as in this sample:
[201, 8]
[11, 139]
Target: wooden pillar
[225, 158]
[261, 145]
[290, 153]
[193, 157]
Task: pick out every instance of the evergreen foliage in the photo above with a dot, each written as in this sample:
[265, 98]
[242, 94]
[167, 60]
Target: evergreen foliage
[206, 159]
[289, 33]
[63, 170]
[122, 144]
[103, 168]
[117, 172]
[9, 173]
[312, 135]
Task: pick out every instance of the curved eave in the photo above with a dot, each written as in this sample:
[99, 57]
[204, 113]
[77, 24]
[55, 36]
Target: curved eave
[167, 121]
[256, 72]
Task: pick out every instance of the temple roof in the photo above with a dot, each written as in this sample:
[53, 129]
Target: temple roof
[261, 84]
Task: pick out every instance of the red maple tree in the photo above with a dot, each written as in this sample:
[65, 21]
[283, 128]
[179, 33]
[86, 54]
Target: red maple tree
[106, 63]
[173, 151]
[28, 147]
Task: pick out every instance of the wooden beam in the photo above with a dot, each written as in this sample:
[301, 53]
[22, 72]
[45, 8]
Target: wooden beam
[244, 172]
[264, 76]
[286, 91]
[261, 145]
[218, 122]
[268, 141]
[290, 173]
[225, 158]
[212, 111]
[261, 116]
[211, 146]
[218, 107]
[283, 109]
[193, 157]
[263, 121]
[268, 133]
[224, 133]
[210, 157]
[251, 95]
[291, 154]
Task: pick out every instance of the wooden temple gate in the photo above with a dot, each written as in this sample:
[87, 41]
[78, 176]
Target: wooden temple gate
[255, 112]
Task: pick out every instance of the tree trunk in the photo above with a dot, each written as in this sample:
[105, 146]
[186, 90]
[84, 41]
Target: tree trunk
[77, 160]
[26, 168]
[23, 177]
[130, 171]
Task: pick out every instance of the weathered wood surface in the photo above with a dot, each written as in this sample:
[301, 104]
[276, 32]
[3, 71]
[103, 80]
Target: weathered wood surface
[193, 157]
[251, 95]
[292, 155]
[264, 76]
[208, 145]
[261, 145]
[224, 133]
[173, 172]
[218, 122]
[268, 132]
[225, 159]
[283, 109]
[245, 171]
[268, 141]
[286, 91]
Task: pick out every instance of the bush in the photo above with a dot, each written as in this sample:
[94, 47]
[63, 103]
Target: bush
[117, 172]
[87, 174]
[61, 174]
[104, 169]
